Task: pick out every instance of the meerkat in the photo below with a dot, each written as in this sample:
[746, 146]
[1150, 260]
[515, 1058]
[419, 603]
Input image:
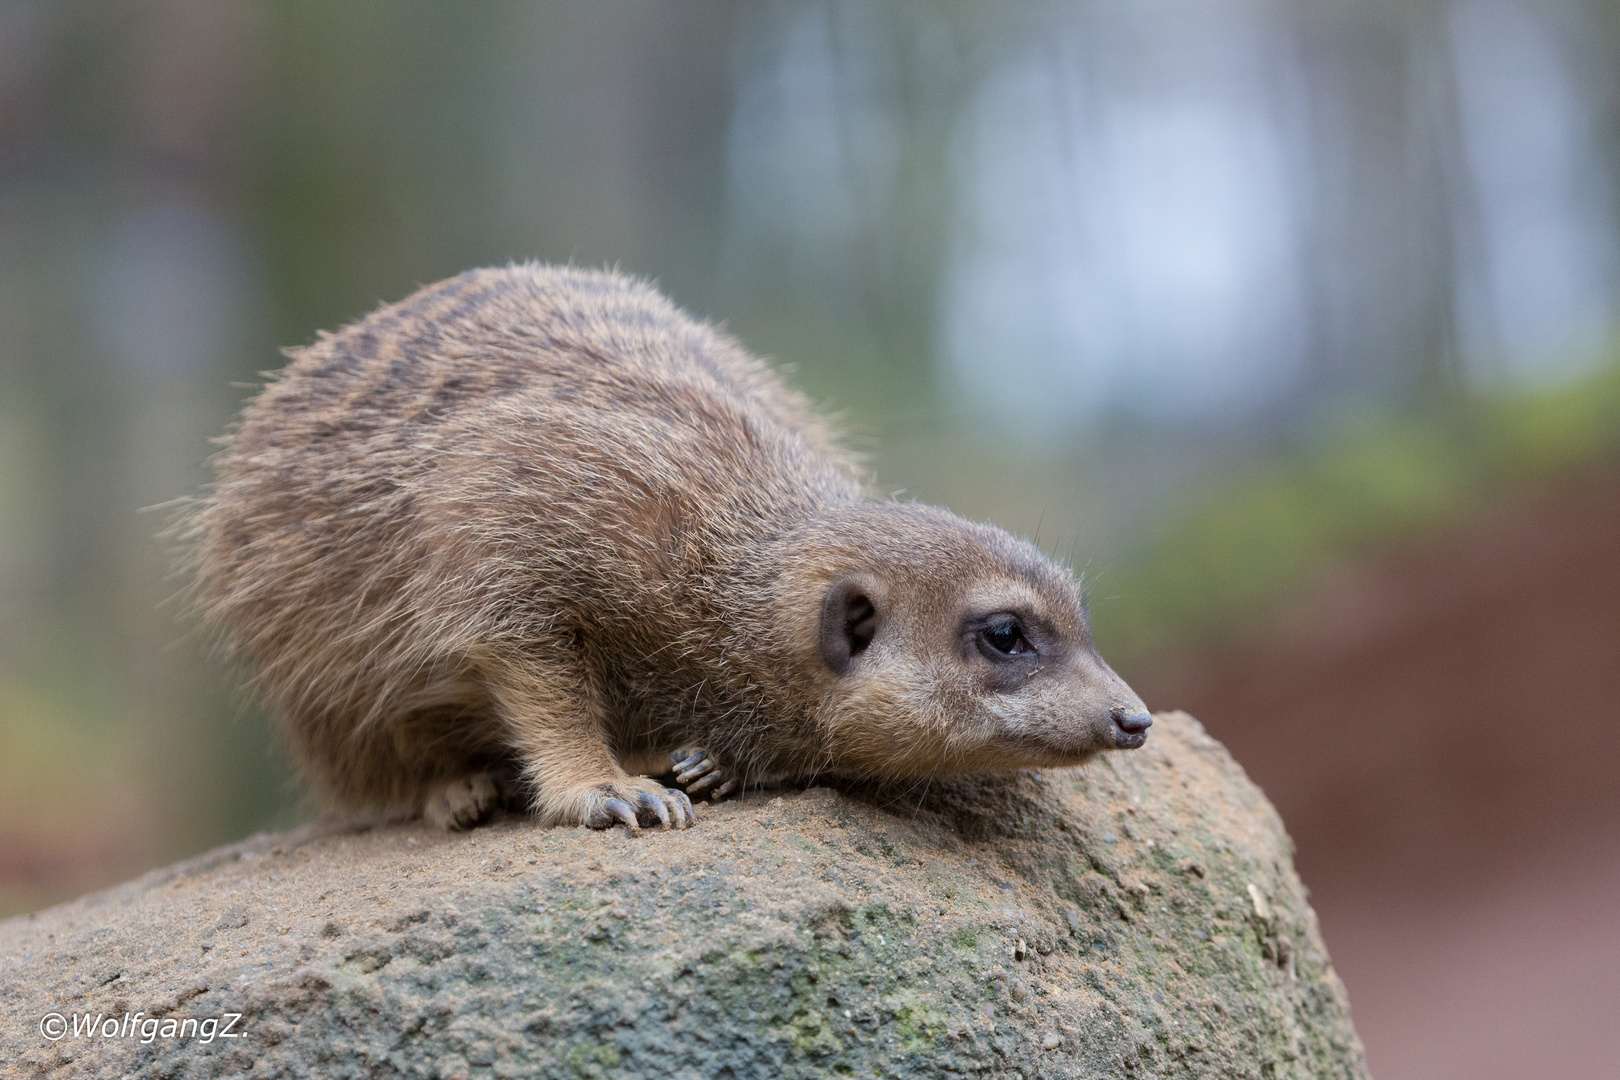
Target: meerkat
[536, 529]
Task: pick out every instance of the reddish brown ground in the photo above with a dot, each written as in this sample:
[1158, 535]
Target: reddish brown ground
[1441, 732]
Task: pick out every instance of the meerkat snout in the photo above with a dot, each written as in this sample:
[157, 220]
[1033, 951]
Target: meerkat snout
[1130, 725]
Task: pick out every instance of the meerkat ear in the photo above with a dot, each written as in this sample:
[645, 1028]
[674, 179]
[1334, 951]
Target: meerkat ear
[849, 619]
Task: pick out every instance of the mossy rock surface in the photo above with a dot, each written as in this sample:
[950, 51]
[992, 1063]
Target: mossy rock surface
[1139, 917]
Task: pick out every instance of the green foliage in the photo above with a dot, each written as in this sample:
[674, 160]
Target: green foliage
[1227, 554]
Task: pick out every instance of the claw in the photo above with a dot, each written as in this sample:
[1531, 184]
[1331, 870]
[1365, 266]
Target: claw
[652, 804]
[622, 811]
[688, 815]
[723, 790]
[703, 768]
[708, 780]
[681, 760]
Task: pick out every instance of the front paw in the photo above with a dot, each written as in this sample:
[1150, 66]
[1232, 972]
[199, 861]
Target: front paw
[635, 802]
[697, 771]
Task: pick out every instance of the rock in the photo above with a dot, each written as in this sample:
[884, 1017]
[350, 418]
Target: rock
[1139, 916]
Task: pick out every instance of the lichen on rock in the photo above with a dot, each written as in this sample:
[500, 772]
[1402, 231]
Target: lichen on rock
[1138, 916]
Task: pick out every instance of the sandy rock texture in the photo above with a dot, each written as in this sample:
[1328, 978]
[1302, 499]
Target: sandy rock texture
[1137, 917]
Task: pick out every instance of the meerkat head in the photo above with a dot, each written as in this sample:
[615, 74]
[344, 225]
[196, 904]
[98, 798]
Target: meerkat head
[945, 646]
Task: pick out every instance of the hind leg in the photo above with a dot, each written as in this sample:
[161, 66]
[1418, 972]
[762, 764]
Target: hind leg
[552, 721]
[462, 802]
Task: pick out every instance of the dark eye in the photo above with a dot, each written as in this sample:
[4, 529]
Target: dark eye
[1003, 638]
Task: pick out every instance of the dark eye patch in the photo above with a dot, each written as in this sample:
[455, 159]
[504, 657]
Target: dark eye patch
[1003, 638]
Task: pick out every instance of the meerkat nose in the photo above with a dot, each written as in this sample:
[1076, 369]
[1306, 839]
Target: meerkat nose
[1130, 728]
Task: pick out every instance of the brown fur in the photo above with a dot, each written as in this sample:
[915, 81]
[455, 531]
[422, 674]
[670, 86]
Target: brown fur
[537, 518]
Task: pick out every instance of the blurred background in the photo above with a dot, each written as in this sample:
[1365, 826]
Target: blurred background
[1292, 324]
